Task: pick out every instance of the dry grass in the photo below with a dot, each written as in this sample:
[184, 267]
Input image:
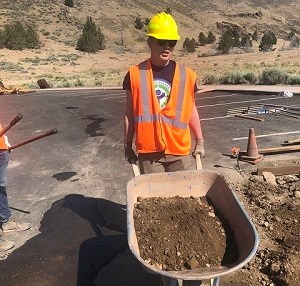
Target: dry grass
[61, 65]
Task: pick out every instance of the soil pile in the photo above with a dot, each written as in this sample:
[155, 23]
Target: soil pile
[275, 211]
[182, 233]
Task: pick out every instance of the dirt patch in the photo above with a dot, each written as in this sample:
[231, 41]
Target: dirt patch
[275, 211]
[183, 233]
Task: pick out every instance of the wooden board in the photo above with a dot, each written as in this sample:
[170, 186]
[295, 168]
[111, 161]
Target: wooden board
[279, 170]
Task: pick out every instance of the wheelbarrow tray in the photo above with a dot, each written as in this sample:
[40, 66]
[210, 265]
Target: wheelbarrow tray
[198, 183]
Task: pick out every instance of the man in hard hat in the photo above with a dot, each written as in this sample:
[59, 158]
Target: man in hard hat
[7, 224]
[161, 110]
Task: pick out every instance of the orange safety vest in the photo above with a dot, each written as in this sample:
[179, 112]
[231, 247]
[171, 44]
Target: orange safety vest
[3, 145]
[166, 129]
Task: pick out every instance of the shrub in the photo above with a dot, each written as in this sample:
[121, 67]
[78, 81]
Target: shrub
[69, 3]
[233, 78]
[250, 77]
[18, 37]
[138, 24]
[92, 39]
[295, 42]
[293, 80]
[273, 76]
[210, 79]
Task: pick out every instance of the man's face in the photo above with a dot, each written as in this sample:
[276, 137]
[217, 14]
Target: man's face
[161, 50]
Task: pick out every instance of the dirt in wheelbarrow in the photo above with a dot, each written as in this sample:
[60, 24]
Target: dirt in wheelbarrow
[179, 233]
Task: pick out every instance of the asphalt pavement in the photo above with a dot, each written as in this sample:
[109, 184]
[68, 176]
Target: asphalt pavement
[71, 186]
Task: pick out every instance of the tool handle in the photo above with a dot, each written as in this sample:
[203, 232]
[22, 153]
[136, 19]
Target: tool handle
[135, 168]
[47, 133]
[15, 120]
[198, 162]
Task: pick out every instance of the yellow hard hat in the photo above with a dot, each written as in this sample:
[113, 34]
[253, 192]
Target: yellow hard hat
[163, 26]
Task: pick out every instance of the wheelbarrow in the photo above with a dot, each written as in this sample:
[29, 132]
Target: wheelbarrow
[197, 183]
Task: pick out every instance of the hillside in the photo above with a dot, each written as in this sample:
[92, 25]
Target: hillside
[59, 28]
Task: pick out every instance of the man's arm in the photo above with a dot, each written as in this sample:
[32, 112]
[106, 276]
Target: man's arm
[128, 119]
[129, 129]
[195, 124]
[196, 130]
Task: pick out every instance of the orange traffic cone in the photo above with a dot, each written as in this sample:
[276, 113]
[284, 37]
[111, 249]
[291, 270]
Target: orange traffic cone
[252, 155]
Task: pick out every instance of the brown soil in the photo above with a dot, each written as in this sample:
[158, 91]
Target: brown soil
[274, 209]
[182, 233]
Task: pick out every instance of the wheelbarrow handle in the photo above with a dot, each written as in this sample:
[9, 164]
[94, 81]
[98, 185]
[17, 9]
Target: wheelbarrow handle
[198, 162]
[14, 121]
[135, 168]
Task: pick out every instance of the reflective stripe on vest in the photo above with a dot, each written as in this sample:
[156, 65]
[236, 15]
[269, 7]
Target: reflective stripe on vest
[147, 117]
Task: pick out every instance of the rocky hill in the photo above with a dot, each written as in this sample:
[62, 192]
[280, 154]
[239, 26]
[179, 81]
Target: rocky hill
[116, 17]
[59, 28]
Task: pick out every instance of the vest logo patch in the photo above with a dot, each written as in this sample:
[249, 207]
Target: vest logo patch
[162, 90]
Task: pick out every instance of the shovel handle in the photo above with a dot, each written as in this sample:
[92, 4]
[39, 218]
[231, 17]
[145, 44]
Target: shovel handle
[48, 133]
[198, 162]
[14, 121]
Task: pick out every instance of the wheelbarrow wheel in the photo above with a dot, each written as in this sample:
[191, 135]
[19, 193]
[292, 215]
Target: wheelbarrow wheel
[212, 282]
[167, 281]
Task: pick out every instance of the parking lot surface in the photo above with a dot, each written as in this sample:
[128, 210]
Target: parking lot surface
[71, 186]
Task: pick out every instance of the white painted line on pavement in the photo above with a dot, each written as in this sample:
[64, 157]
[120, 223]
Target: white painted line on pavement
[209, 97]
[218, 117]
[267, 135]
[235, 102]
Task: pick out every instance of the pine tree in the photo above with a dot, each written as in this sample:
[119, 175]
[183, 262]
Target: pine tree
[267, 41]
[189, 45]
[202, 39]
[226, 42]
[246, 41]
[92, 39]
[210, 38]
[255, 36]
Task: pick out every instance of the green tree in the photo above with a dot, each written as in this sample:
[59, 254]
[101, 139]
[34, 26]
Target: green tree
[226, 42]
[17, 36]
[236, 38]
[255, 36]
[92, 39]
[138, 24]
[246, 41]
[210, 38]
[267, 41]
[69, 3]
[202, 39]
[189, 45]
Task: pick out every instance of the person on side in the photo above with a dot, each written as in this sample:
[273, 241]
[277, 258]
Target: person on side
[7, 223]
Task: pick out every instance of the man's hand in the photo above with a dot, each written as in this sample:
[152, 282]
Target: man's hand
[6, 141]
[130, 156]
[199, 148]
